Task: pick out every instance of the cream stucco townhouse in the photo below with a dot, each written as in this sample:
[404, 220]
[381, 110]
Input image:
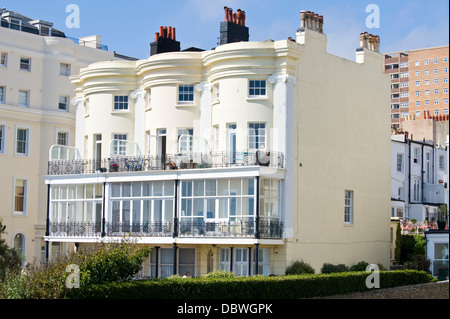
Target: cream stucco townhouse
[244, 158]
[36, 62]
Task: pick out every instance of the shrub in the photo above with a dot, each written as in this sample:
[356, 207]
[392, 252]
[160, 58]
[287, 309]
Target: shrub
[361, 266]
[299, 267]
[110, 263]
[330, 268]
[220, 274]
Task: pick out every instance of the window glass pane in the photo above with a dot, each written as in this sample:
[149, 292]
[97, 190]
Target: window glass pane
[198, 207]
[169, 188]
[137, 189]
[235, 186]
[126, 189]
[199, 188]
[210, 187]
[223, 187]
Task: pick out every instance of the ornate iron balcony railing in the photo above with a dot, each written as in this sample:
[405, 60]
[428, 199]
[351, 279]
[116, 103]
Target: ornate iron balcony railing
[244, 227]
[167, 162]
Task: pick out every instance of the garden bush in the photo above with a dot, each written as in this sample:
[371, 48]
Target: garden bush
[328, 268]
[257, 287]
[117, 262]
[299, 267]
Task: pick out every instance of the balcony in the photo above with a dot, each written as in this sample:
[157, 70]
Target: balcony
[241, 228]
[121, 164]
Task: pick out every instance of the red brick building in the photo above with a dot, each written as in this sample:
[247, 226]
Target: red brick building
[419, 84]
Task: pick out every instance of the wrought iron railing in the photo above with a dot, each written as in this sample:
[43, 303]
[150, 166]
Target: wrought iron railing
[245, 227]
[75, 229]
[167, 162]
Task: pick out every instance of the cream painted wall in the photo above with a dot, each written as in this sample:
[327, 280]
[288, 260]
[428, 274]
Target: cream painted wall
[342, 122]
[42, 118]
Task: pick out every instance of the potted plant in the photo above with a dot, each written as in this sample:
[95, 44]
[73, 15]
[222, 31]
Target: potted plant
[442, 216]
[114, 167]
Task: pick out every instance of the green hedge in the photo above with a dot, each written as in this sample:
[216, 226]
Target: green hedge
[257, 287]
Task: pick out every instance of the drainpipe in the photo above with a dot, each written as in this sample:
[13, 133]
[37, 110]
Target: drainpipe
[257, 209]
[256, 258]
[231, 259]
[175, 217]
[103, 211]
[157, 261]
[409, 175]
[47, 226]
[175, 258]
[423, 172]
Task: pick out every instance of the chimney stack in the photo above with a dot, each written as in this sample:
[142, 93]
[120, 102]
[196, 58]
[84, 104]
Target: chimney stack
[233, 28]
[165, 41]
[369, 41]
[311, 20]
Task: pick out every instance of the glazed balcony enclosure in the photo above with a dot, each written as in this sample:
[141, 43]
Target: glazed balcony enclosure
[225, 207]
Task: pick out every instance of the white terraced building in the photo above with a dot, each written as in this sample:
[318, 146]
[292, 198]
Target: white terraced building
[243, 158]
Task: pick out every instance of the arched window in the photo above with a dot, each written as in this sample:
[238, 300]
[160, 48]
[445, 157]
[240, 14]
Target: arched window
[19, 245]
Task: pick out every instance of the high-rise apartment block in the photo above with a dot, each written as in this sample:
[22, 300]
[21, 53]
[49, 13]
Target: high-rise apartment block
[419, 84]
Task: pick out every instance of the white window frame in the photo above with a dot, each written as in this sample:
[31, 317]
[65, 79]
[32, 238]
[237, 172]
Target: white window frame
[64, 69]
[58, 138]
[400, 162]
[27, 141]
[185, 140]
[2, 138]
[256, 89]
[22, 63]
[27, 96]
[120, 144]
[3, 59]
[224, 259]
[66, 103]
[3, 94]
[25, 196]
[349, 207]
[121, 103]
[186, 94]
[260, 140]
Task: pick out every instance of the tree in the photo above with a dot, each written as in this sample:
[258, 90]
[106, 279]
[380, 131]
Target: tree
[10, 260]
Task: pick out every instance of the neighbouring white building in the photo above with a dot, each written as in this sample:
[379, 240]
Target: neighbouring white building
[36, 62]
[419, 184]
[246, 157]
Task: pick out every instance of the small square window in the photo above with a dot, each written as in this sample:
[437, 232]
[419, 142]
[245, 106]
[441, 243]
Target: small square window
[120, 103]
[186, 94]
[257, 88]
[64, 69]
[25, 64]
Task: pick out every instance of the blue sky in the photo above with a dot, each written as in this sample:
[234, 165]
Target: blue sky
[128, 27]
